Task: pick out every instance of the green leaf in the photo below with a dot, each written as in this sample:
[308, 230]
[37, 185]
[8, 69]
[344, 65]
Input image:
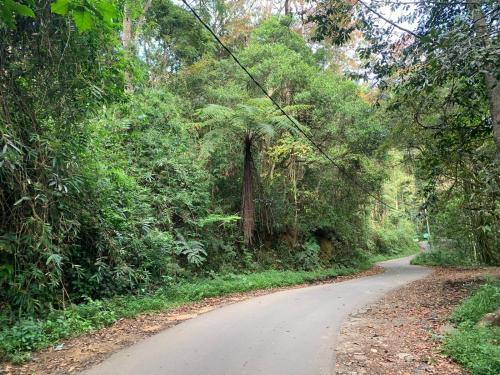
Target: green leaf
[56, 259]
[21, 10]
[22, 200]
[60, 7]
[214, 218]
[6, 272]
[83, 19]
[9, 9]
[107, 11]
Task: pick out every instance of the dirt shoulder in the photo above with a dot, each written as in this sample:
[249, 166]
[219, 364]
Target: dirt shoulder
[82, 352]
[401, 333]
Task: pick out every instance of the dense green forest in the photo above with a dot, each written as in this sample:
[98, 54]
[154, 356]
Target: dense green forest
[135, 153]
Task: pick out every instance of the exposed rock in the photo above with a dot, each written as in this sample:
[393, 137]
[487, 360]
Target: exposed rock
[491, 319]
[405, 356]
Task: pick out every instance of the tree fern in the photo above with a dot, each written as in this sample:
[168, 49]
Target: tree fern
[193, 250]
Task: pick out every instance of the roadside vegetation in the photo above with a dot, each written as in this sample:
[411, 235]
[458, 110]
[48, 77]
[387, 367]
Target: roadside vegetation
[27, 335]
[139, 163]
[444, 258]
[475, 343]
[408, 251]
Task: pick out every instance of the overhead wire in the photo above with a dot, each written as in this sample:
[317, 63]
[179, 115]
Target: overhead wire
[283, 112]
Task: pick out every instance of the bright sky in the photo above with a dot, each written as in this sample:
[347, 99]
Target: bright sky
[277, 6]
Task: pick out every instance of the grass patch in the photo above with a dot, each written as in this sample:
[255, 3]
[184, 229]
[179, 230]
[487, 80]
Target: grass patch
[474, 347]
[19, 340]
[443, 258]
[483, 301]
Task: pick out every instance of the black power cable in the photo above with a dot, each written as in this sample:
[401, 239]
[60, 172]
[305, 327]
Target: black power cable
[291, 119]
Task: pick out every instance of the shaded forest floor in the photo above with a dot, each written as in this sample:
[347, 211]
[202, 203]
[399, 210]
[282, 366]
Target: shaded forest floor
[76, 354]
[401, 334]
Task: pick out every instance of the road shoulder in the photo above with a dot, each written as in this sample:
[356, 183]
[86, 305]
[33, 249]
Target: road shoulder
[401, 333]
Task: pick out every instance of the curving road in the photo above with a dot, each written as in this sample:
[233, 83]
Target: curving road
[292, 332]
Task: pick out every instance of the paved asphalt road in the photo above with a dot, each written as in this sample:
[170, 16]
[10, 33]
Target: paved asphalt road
[291, 332]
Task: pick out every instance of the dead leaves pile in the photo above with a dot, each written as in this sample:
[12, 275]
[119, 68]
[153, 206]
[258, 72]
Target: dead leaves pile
[401, 334]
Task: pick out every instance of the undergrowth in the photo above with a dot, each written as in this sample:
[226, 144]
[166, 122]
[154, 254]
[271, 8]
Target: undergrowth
[407, 252]
[17, 341]
[476, 347]
[443, 258]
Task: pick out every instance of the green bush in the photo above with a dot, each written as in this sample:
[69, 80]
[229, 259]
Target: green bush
[396, 237]
[477, 349]
[308, 259]
[474, 347]
[443, 258]
[484, 300]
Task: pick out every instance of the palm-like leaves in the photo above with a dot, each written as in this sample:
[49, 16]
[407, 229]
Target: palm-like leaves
[256, 120]
[258, 117]
[193, 250]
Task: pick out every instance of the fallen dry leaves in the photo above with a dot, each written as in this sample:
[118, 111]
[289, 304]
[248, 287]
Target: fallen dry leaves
[400, 334]
[90, 349]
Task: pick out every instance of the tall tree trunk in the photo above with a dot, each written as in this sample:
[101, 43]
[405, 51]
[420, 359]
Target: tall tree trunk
[490, 72]
[287, 7]
[247, 202]
[126, 40]
[493, 87]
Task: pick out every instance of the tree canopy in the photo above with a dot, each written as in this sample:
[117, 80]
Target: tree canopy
[134, 151]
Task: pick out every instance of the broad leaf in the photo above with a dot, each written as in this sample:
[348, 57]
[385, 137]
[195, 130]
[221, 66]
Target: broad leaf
[83, 19]
[60, 7]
